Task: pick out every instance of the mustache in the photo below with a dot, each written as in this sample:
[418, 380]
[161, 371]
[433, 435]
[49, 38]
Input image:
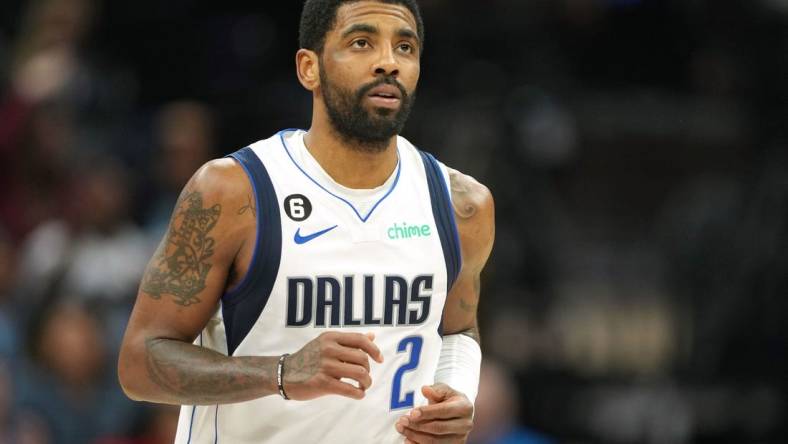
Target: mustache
[385, 80]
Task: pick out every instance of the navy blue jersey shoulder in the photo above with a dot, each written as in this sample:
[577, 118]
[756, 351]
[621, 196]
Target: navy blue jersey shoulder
[443, 212]
[242, 305]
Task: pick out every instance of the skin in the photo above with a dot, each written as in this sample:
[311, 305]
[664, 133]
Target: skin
[448, 417]
[353, 60]
[212, 234]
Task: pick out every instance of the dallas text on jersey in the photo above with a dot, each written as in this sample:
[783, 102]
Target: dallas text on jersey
[327, 301]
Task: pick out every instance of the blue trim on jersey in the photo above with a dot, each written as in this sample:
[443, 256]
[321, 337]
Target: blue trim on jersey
[241, 307]
[348, 203]
[191, 423]
[443, 212]
[216, 425]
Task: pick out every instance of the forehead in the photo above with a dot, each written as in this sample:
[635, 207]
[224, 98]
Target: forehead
[372, 12]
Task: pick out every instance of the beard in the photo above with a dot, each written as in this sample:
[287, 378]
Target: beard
[368, 131]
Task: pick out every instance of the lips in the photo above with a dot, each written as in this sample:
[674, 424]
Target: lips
[385, 96]
[386, 92]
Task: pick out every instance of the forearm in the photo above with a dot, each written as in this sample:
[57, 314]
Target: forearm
[176, 372]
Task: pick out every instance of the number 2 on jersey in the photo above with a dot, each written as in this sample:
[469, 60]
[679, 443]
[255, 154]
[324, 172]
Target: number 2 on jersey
[397, 400]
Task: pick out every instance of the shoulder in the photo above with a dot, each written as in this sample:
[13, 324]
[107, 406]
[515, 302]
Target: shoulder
[221, 184]
[210, 203]
[474, 210]
[469, 196]
[220, 179]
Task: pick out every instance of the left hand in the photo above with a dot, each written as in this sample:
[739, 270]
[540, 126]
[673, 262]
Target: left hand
[447, 419]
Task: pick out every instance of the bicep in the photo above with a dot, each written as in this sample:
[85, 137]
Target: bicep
[175, 301]
[475, 215]
[459, 313]
[185, 278]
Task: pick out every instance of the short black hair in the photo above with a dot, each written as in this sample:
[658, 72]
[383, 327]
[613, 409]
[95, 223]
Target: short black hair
[319, 16]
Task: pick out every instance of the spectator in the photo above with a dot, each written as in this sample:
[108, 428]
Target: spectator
[185, 139]
[94, 252]
[159, 425]
[495, 418]
[18, 426]
[69, 382]
[9, 341]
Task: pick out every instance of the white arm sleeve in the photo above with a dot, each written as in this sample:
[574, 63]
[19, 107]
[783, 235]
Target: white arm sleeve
[459, 364]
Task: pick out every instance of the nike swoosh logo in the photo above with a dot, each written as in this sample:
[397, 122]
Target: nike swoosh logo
[304, 239]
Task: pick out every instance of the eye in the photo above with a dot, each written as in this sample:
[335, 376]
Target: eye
[406, 47]
[360, 43]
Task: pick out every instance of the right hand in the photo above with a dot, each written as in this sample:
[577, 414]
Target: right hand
[317, 369]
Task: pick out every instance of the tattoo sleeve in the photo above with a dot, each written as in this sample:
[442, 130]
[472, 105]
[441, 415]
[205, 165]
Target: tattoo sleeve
[190, 375]
[181, 264]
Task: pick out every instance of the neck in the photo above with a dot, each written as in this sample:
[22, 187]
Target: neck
[348, 163]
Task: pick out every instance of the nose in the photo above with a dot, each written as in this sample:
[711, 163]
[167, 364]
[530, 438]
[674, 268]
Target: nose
[386, 64]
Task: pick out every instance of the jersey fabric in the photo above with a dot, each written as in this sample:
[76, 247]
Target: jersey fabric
[330, 258]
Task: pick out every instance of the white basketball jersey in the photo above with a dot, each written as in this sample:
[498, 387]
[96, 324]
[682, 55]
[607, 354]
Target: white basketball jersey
[329, 258]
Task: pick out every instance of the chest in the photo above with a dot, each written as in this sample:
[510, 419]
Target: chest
[350, 264]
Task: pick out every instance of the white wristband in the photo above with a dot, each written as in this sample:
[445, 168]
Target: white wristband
[459, 364]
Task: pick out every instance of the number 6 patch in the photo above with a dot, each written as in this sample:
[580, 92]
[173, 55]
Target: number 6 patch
[298, 207]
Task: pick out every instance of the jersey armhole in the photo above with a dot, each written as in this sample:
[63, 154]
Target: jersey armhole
[443, 213]
[243, 304]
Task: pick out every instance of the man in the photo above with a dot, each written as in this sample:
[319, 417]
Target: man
[292, 262]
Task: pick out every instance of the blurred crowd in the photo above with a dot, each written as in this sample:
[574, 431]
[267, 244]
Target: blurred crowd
[78, 222]
[637, 151]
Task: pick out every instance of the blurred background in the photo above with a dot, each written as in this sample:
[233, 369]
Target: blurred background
[637, 151]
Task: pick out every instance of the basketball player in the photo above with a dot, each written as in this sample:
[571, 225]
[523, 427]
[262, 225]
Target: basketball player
[321, 286]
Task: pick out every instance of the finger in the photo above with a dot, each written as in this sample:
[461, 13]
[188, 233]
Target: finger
[454, 408]
[413, 435]
[355, 372]
[338, 387]
[351, 355]
[357, 340]
[426, 438]
[435, 393]
[458, 426]
[438, 427]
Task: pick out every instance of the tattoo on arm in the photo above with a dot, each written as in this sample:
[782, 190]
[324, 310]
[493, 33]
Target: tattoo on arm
[248, 207]
[181, 264]
[193, 375]
[470, 306]
[461, 196]
[467, 306]
[304, 364]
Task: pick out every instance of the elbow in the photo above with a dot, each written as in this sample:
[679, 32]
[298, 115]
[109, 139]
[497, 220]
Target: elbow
[129, 389]
[127, 377]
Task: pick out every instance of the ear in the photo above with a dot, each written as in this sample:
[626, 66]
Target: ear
[308, 68]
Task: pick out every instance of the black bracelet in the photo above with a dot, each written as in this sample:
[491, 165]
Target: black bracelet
[280, 370]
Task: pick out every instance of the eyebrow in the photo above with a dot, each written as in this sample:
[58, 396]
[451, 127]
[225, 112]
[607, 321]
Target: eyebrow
[371, 29]
[360, 27]
[408, 34]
